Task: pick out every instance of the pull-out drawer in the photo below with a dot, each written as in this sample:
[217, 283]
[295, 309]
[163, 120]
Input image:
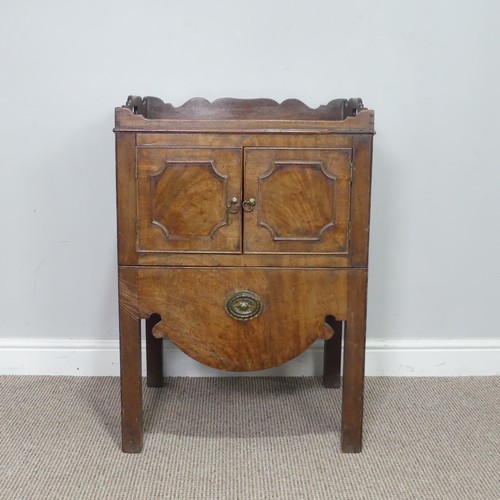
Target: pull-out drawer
[235, 318]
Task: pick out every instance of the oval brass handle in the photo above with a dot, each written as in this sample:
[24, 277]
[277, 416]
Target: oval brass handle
[243, 305]
[233, 207]
[248, 205]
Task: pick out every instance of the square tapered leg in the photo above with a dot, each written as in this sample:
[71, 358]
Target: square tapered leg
[354, 365]
[131, 382]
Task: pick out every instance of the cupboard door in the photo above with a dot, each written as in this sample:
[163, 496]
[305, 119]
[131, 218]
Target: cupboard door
[299, 200]
[183, 197]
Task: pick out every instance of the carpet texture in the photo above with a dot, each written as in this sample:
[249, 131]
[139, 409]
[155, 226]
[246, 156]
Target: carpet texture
[250, 438]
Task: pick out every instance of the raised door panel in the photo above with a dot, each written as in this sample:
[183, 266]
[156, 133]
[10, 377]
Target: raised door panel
[302, 200]
[183, 197]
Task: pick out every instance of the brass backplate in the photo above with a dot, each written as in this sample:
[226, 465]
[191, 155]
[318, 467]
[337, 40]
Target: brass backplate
[243, 305]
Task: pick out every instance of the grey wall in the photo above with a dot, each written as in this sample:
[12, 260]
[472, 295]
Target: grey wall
[430, 69]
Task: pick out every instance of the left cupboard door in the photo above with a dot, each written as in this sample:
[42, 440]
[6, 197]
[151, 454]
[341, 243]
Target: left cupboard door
[186, 200]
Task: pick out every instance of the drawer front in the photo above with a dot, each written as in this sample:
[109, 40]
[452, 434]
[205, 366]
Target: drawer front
[182, 199]
[302, 200]
[237, 319]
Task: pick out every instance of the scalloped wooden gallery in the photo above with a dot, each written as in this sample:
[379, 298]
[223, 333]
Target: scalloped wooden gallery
[243, 237]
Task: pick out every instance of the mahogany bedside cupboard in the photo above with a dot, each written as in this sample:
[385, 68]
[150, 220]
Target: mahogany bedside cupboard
[243, 237]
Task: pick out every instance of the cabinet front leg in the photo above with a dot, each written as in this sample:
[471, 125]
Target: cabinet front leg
[154, 354]
[131, 382]
[354, 364]
[332, 354]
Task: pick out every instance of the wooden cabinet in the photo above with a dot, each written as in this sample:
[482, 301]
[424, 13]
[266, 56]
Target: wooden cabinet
[243, 237]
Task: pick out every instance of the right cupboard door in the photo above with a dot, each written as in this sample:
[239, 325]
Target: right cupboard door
[300, 200]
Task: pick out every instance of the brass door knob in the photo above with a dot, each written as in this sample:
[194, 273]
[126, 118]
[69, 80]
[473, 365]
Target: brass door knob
[233, 207]
[248, 205]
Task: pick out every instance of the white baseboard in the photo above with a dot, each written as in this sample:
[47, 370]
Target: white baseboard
[396, 358]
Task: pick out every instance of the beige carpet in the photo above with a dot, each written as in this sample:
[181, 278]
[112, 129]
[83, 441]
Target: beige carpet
[250, 438]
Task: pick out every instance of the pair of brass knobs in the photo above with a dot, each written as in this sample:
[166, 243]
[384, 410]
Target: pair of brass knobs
[234, 206]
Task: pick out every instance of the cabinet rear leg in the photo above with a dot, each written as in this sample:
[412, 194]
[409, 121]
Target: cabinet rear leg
[332, 354]
[154, 354]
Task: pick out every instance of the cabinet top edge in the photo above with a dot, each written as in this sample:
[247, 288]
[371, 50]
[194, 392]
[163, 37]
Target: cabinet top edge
[233, 115]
